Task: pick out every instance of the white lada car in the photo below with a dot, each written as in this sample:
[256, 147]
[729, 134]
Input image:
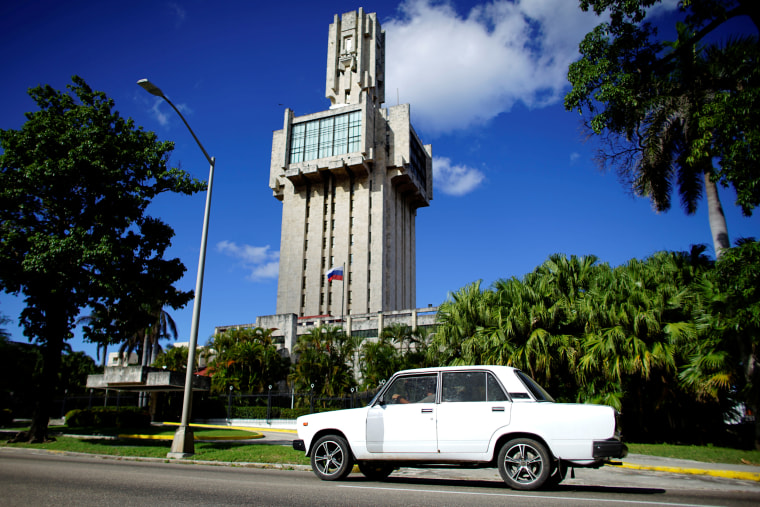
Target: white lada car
[470, 416]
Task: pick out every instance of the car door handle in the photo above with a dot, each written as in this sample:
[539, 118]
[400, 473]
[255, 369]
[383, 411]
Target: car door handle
[497, 409]
[427, 410]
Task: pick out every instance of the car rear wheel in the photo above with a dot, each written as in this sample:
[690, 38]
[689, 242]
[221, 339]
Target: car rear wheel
[524, 464]
[331, 459]
[375, 471]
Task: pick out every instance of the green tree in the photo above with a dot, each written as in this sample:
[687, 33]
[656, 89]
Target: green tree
[174, 359]
[325, 358]
[163, 327]
[246, 359]
[725, 362]
[667, 110]
[75, 182]
[380, 358]
[75, 367]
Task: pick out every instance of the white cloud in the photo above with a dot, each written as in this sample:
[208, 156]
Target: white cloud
[455, 179]
[574, 156]
[163, 118]
[179, 14]
[160, 116]
[259, 260]
[462, 71]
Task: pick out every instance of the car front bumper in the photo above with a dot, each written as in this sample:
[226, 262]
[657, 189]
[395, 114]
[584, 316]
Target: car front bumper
[299, 445]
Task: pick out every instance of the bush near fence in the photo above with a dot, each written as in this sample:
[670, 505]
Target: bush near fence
[108, 417]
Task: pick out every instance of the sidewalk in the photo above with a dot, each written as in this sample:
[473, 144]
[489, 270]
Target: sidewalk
[684, 466]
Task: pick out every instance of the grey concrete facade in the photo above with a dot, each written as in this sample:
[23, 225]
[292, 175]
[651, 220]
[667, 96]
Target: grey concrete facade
[288, 327]
[350, 180]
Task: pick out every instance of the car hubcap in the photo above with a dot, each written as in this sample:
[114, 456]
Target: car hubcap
[523, 464]
[329, 458]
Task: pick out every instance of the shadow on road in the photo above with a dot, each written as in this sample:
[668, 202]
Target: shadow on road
[475, 483]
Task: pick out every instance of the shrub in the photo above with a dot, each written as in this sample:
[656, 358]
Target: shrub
[108, 417]
[6, 417]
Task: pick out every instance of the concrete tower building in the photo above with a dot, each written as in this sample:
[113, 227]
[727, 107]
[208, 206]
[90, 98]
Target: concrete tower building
[350, 180]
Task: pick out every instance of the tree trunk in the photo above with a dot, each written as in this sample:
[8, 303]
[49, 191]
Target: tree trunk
[718, 227]
[51, 350]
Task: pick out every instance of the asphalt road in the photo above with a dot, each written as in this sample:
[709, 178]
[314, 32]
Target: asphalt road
[33, 477]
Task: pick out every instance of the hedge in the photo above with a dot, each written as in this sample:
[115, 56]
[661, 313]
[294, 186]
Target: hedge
[108, 417]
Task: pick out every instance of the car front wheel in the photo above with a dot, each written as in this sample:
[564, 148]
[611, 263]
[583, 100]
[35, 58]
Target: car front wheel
[524, 464]
[331, 459]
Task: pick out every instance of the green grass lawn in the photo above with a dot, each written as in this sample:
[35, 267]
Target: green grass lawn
[111, 444]
[707, 453]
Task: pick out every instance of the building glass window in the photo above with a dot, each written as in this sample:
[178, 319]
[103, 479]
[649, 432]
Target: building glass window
[336, 135]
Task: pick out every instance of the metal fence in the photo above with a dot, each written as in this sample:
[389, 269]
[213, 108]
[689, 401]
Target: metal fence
[269, 405]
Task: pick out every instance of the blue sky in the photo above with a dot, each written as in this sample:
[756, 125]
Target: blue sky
[514, 177]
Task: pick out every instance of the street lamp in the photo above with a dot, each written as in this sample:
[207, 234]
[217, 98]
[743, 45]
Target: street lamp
[183, 445]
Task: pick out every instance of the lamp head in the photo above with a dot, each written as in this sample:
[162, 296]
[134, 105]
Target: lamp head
[150, 88]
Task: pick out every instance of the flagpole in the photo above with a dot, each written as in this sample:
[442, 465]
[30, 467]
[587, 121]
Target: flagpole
[342, 292]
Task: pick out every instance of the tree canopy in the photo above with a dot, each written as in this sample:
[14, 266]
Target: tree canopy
[675, 116]
[75, 182]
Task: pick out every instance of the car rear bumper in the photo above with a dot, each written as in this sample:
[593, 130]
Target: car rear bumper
[610, 448]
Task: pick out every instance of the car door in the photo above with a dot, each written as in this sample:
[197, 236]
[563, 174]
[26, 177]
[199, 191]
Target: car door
[473, 406]
[403, 420]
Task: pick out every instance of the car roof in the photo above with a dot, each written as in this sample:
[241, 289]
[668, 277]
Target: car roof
[463, 367]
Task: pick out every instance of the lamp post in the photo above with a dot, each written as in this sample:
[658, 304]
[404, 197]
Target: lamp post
[183, 445]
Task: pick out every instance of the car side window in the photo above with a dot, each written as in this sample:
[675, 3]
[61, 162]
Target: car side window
[463, 386]
[412, 389]
[495, 392]
[471, 386]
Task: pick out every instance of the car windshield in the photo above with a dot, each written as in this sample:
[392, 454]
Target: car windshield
[536, 390]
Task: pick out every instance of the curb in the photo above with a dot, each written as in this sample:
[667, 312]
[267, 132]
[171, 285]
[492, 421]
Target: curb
[242, 464]
[724, 474]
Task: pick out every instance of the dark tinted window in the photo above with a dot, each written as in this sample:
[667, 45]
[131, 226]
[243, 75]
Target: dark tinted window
[468, 386]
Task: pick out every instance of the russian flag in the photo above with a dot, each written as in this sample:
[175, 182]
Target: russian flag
[335, 274]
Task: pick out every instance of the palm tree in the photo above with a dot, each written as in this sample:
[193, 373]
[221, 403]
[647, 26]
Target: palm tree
[163, 327]
[323, 359]
[246, 359]
[100, 327]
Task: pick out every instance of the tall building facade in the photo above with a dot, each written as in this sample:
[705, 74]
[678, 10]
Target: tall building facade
[350, 180]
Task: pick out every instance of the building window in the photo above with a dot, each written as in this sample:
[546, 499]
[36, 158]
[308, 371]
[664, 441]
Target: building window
[336, 135]
[418, 161]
